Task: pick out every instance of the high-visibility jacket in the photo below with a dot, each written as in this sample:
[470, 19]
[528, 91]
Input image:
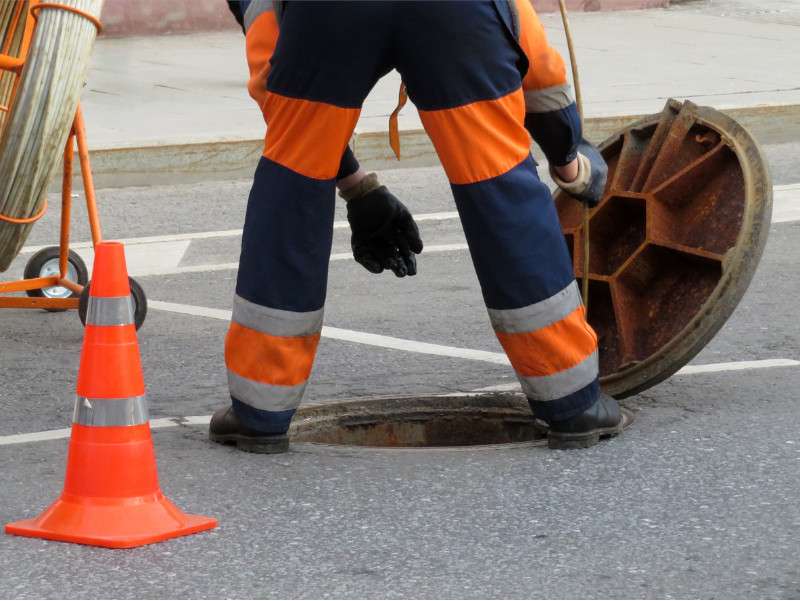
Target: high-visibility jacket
[479, 74]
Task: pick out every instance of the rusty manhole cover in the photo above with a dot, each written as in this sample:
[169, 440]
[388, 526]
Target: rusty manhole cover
[482, 420]
[675, 242]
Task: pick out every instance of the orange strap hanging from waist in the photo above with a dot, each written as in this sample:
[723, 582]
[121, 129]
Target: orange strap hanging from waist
[394, 131]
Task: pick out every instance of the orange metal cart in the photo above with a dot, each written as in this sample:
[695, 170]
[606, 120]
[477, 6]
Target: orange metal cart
[56, 278]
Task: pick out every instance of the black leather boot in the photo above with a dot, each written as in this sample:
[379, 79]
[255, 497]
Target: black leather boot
[226, 428]
[604, 419]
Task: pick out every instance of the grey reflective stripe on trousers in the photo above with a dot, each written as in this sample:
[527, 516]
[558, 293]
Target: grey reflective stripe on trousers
[276, 322]
[130, 411]
[267, 397]
[110, 311]
[538, 315]
[563, 383]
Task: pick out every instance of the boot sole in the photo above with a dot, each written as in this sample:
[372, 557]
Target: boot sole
[264, 446]
[584, 440]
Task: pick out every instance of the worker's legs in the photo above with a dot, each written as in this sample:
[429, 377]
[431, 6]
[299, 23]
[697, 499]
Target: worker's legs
[465, 80]
[316, 86]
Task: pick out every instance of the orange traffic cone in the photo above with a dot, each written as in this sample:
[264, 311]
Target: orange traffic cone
[111, 496]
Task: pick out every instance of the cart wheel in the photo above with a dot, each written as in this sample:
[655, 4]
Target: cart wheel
[44, 264]
[139, 303]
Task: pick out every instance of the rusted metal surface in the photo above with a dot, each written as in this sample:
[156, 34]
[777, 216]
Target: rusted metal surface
[674, 243]
[451, 421]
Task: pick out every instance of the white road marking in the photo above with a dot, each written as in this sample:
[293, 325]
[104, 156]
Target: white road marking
[142, 269]
[684, 371]
[451, 351]
[203, 420]
[35, 436]
[786, 203]
[735, 366]
[223, 314]
[148, 240]
[165, 252]
[144, 259]
[507, 387]
[221, 234]
[351, 335]
[161, 255]
[413, 346]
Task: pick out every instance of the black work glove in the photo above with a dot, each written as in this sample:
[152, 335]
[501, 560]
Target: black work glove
[592, 173]
[384, 234]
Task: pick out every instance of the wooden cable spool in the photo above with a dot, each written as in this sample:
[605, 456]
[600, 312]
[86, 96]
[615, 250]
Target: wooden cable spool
[36, 127]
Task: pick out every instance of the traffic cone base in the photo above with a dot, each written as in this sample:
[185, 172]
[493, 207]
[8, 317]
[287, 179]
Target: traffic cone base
[111, 495]
[117, 526]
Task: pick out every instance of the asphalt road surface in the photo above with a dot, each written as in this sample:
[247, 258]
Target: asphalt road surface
[697, 499]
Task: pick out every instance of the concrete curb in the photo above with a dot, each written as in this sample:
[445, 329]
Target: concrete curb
[190, 161]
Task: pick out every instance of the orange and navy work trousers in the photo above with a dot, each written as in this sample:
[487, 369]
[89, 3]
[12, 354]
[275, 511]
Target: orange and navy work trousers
[464, 71]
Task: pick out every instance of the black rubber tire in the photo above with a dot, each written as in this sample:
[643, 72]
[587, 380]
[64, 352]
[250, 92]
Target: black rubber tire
[139, 303]
[39, 262]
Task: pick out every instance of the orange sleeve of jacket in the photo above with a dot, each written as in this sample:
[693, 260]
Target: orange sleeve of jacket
[545, 84]
[262, 36]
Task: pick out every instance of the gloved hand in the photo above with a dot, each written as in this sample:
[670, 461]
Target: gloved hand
[592, 173]
[384, 234]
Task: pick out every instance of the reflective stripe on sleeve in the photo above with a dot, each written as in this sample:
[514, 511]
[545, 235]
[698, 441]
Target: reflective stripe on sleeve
[255, 10]
[548, 99]
[130, 411]
[275, 322]
[266, 397]
[538, 315]
[110, 311]
[563, 383]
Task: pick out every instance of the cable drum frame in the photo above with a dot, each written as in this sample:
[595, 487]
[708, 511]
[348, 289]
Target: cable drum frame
[76, 134]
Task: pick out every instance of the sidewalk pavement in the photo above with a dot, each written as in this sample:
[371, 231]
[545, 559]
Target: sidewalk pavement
[173, 109]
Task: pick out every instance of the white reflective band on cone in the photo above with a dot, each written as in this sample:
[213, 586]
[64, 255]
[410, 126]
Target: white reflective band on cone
[110, 311]
[110, 412]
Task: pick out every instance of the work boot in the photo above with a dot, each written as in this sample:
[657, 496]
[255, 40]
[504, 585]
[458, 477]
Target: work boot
[604, 419]
[226, 428]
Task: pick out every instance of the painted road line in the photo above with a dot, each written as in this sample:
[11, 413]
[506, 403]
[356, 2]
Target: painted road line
[203, 420]
[785, 207]
[35, 436]
[161, 255]
[735, 366]
[220, 234]
[139, 268]
[688, 370]
[401, 344]
[221, 314]
[437, 248]
[448, 351]
[786, 203]
[149, 240]
[413, 346]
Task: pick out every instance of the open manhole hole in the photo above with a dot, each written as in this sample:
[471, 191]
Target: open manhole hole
[408, 422]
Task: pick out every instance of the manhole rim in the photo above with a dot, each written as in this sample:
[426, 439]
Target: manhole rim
[515, 404]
